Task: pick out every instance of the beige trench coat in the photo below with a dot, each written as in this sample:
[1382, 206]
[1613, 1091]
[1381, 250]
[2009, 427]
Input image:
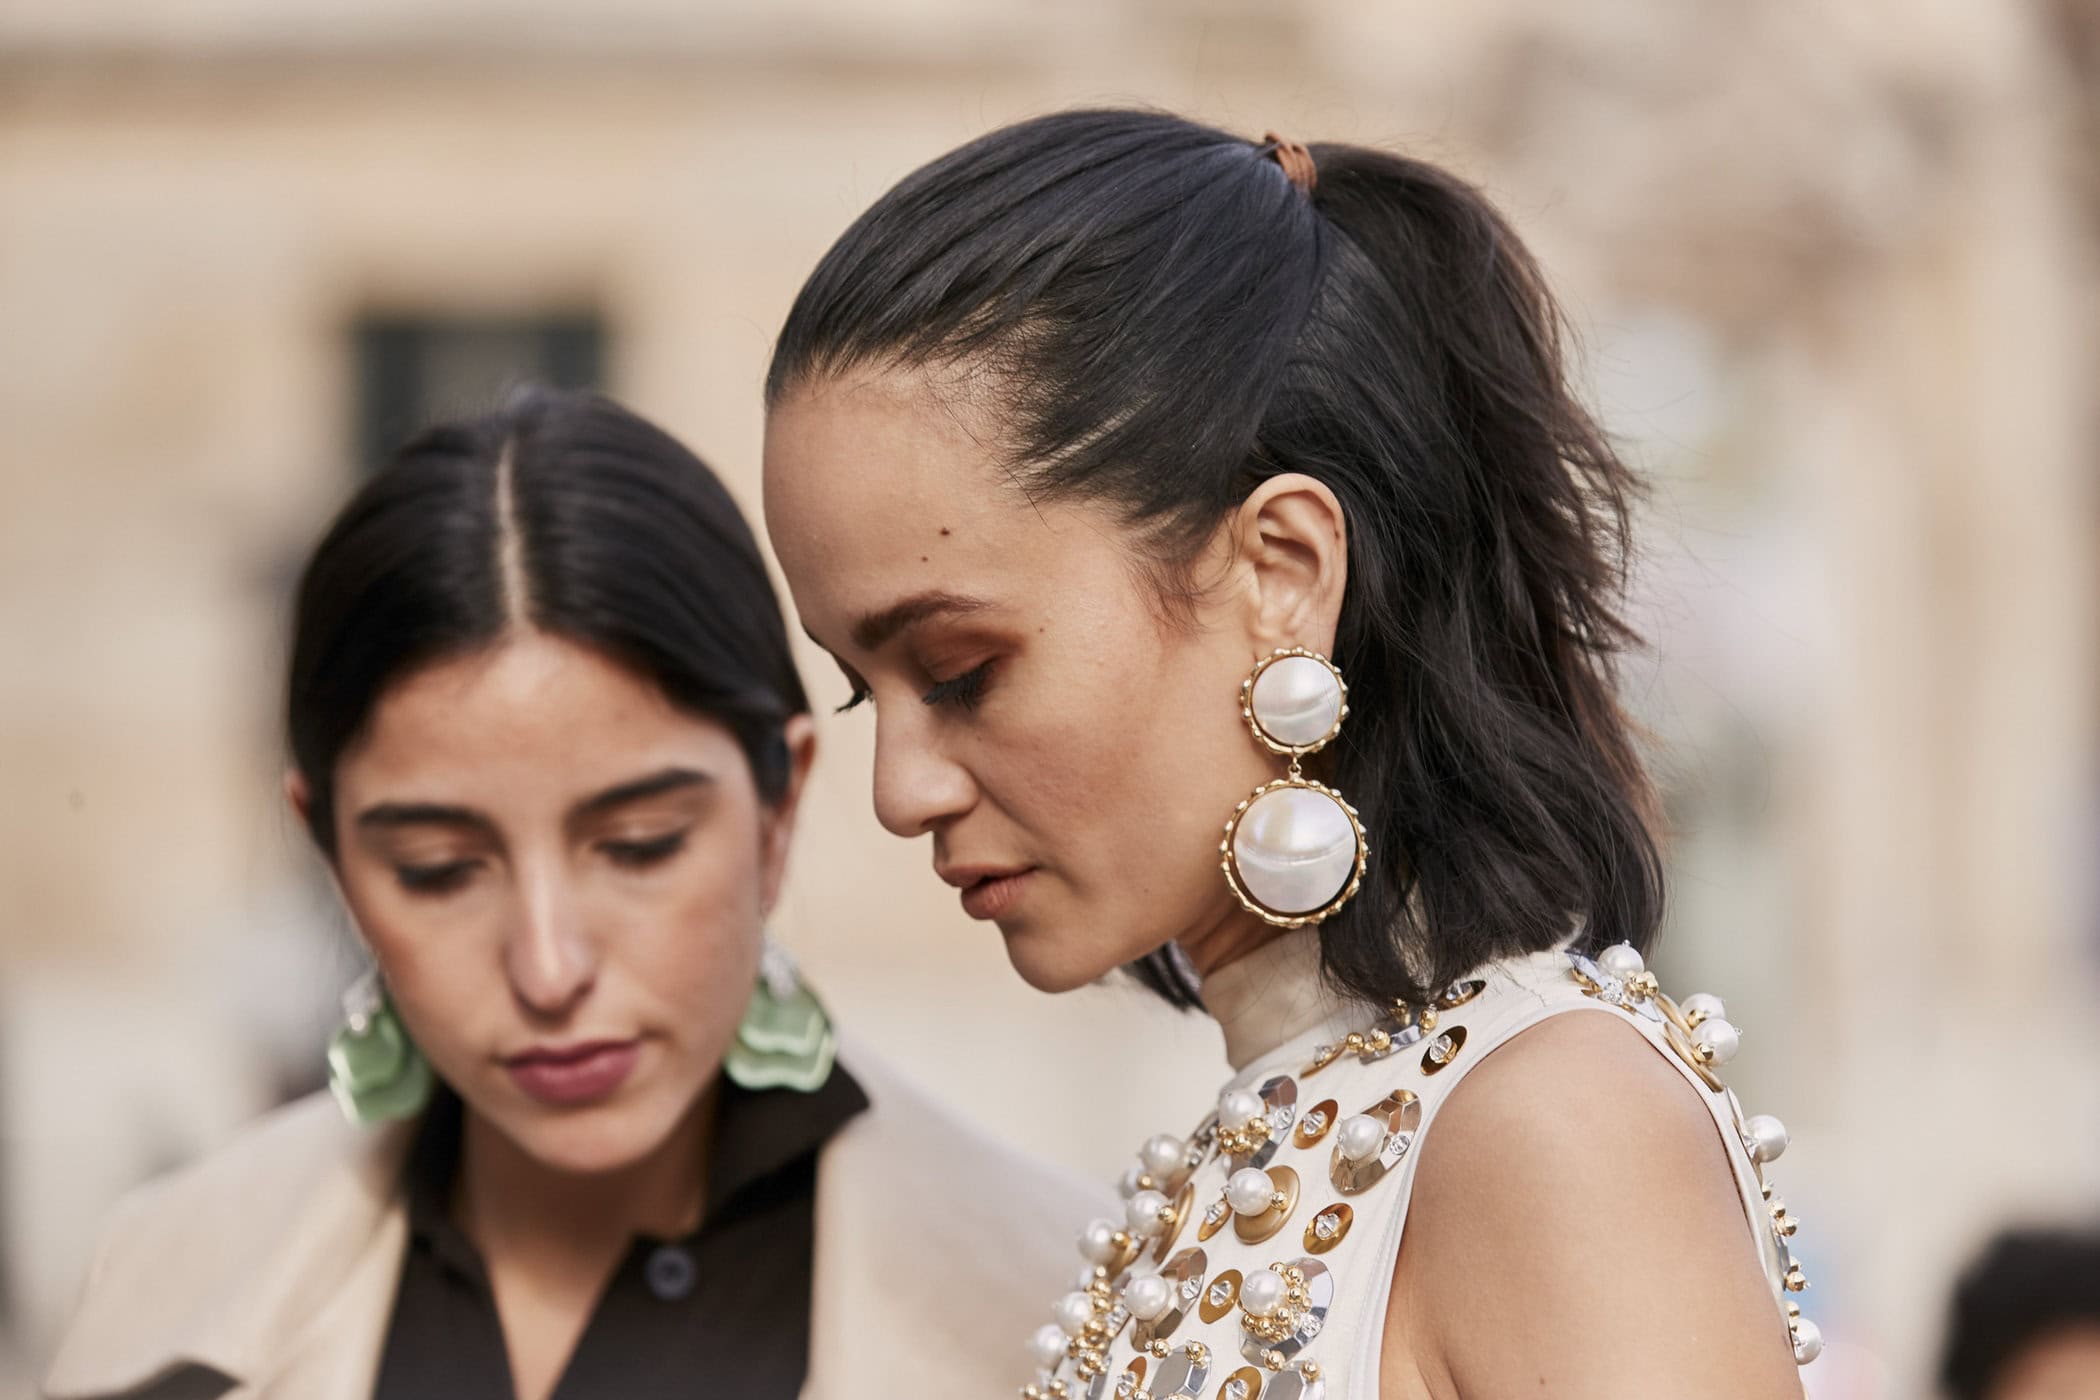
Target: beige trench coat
[269, 1268]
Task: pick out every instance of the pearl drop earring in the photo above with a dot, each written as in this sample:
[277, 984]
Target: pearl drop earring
[1294, 851]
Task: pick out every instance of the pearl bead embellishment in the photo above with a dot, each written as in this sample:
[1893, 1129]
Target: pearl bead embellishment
[1359, 1137]
[1702, 1006]
[1239, 1107]
[1163, 1155]
[1097, 1242]
[1144, 1212]
[1766, 1137]
[1808, 1341]
[1148, 1298]
[1295, 849]
[1263, 1292]
[1250, 1191]
[1073, 1312]
[1717, 1041]
[1047, 1346]
[1622, 960]
[1296, 701]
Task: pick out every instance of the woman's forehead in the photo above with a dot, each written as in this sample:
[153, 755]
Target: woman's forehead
[878, 488]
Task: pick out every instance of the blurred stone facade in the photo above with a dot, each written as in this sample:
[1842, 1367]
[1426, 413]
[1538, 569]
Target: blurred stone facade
[1833, 268]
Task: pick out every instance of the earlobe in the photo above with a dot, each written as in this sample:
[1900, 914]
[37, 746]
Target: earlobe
[800, 736]
[1294, 544]
[299, 794]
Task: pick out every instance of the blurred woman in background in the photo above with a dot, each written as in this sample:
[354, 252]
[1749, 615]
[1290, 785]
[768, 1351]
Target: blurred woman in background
[547, 731]
[1132, 470]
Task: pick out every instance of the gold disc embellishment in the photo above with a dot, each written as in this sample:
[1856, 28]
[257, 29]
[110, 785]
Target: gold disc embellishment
[1253, 1229]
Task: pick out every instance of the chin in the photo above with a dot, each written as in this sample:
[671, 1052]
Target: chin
[1056, 965]
[605, 1138]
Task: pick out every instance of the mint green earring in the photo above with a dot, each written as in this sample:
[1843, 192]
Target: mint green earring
[374, 1069]
[785, 1040]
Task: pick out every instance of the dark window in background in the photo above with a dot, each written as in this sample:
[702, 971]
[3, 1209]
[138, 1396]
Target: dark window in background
[414, 370]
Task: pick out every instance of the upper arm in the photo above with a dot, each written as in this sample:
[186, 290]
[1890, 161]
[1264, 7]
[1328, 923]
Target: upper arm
[1575, 1231]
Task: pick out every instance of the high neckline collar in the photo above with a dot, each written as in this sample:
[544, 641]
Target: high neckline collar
[1264, 999]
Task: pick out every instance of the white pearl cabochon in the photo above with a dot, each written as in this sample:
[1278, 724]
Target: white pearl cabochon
[1294, 850]
[1296, 701]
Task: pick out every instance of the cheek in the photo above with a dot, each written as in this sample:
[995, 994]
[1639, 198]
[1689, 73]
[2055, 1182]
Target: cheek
[1131, 768]
[691, 942]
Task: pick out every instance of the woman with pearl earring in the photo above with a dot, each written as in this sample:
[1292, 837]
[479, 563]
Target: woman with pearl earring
[1235, 583]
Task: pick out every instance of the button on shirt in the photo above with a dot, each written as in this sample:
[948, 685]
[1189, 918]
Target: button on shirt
[722, 1311]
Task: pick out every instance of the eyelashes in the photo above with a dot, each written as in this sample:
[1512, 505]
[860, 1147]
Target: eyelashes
[452, 876]
[434, 879]
[963, 691]
[637, 855]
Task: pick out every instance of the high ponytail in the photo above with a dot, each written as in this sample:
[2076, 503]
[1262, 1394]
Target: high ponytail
[1173, 319]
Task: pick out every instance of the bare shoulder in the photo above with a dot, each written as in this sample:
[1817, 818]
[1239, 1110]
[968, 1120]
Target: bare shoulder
[1576, 1231]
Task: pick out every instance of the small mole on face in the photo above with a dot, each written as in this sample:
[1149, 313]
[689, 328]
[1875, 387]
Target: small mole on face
[944, 530]
[923, 559]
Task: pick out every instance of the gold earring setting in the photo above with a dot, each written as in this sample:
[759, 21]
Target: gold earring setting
[1294, 852]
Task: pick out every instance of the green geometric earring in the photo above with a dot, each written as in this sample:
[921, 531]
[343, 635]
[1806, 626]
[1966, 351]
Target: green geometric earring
[785, 1040]
[374, 1069]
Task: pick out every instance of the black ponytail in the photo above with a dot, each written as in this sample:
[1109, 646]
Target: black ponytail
[1173, 320]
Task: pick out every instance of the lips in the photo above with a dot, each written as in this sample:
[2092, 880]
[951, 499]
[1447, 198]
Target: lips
[989, 892]
[567, 1075]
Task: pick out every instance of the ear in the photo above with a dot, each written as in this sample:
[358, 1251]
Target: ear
[299, 795]
[1291, 552]
[777, 831]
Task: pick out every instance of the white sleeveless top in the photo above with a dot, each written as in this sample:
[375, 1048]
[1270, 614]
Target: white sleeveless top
[1258, 1252]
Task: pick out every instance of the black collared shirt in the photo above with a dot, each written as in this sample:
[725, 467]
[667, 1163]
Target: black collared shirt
[723, 1311]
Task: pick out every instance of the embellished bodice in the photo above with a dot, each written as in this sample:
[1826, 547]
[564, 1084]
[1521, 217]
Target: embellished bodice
[1257, 1253]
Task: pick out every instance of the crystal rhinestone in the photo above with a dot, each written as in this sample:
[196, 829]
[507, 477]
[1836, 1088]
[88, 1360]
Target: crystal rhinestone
[1280, 1118]
[1117, 1316]
[1190, 1287]
[1235, 1389]
[1310, 1327]
[1220, 1294]
[1127, 1386]
[1327, 1226]
[1442, 1049]
[1315, 1122]
[1217, 1213]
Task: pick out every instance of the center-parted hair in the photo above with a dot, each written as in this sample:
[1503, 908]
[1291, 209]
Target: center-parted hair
[1165, 319]
[561, 512]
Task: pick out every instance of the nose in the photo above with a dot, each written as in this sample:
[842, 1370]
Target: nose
[917, 787]
[547, 956]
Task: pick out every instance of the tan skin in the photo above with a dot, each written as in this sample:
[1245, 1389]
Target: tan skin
[540, 849]
[2060, 1365]
[1098, 750]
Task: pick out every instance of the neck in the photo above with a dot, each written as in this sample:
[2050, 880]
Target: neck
[1225, 940]
[1262, 985]
[517, 1209]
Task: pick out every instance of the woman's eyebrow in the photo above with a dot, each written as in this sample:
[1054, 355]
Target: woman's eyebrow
[392, 814]
[875, 629]
[669, 780]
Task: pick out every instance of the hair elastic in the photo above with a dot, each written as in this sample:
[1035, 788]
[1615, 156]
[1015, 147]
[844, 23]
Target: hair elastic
[1296, 160]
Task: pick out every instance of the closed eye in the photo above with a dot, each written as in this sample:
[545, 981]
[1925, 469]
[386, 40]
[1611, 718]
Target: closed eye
[638, 855]
[964, 690]
[435, 879]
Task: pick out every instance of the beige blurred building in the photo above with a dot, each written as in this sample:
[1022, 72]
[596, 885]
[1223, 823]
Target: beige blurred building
[1834, 268]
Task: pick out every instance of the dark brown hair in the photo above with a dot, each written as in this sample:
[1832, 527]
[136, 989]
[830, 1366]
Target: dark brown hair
[563, 512]
[1169, 320]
